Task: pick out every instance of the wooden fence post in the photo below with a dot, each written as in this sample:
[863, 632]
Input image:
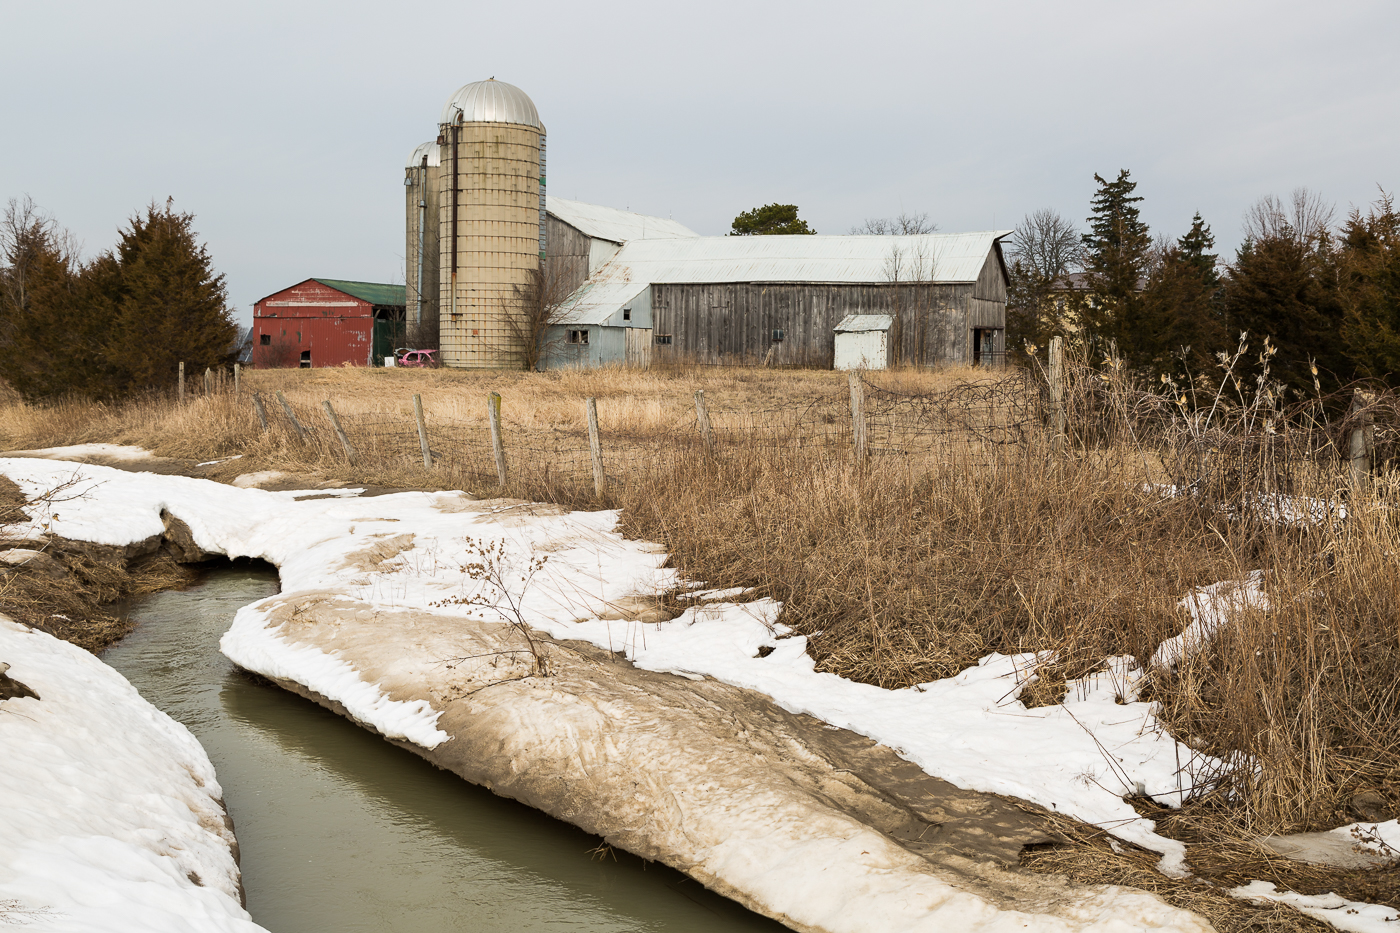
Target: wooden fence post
[702, 418]
[1362, 438]
[595, 449]
[493, 411]
[182, 383]
[1056, 377]
[262, 412]
[422, 432]
[237, 385]
[858, 437]
[340, 432]
[301, 432]
[208, 381]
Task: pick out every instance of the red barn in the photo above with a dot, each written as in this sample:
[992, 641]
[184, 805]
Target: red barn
[328, 322]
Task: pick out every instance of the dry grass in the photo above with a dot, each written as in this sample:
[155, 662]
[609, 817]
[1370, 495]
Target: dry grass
[967, 532]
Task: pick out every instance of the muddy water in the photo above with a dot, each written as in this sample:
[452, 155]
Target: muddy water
[341, 831]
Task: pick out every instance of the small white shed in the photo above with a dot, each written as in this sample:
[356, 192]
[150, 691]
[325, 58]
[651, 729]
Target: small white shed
[865, 341]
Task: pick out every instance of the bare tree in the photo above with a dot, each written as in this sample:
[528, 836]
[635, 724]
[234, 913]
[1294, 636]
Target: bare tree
[543, 302]
[912, 272]
[1305, 220]
[903, 225]
[1047, 245]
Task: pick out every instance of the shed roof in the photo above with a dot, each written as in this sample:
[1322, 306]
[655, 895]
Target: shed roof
[951, 258]
[373, 292]
[609, 223]
[857, 323]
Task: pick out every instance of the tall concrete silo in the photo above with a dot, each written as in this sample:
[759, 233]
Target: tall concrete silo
[491, 210]
[421, 251]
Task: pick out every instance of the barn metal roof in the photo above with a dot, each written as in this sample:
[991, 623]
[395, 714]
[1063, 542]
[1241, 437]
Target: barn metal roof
[949, 258]
[429, 149]
[857, 323]
[373, 292]
[609, 223]
[491, 101]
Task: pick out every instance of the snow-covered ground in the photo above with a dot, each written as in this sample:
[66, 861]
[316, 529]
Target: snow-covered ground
[568, 574]
[110, 815]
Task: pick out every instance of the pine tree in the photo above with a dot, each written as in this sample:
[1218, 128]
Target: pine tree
[170, 306]
[769, 220]
[1282, 286]
[1369, 264]
[1183, 317]
[1116, 251]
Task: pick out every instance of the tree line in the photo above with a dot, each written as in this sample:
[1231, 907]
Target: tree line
[1326, 295]
[113, 326]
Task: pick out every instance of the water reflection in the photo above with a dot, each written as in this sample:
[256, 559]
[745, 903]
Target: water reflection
[341, 831]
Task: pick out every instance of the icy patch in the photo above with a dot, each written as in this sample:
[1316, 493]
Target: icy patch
[1354, 846]
[1351, 916]
[109, 809]
[260, 478]
[1210, 608]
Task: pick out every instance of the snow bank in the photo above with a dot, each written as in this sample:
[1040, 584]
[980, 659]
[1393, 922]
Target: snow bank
[1210, 608]
[416, 551]
[110, 815]
[1351, 916]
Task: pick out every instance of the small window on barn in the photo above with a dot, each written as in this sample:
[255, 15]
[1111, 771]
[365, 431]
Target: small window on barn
[265, 340]
[777, 336]
[305, 359]
[663, 340]
[578, 336]
[627, 314]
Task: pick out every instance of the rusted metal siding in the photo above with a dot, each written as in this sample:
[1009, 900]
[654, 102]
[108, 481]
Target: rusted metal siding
[333, 327]
[567, 259]
[733, 323]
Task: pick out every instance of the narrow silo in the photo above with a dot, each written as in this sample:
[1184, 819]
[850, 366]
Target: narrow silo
[421, 253]
[492, 221]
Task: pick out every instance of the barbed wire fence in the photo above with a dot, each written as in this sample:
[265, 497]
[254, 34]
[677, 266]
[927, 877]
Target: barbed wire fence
[1224, 450]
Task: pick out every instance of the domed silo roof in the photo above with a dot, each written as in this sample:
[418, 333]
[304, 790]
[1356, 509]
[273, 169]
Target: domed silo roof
[429, 149]
[491, 101]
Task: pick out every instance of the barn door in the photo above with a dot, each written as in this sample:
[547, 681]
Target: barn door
[638, 347]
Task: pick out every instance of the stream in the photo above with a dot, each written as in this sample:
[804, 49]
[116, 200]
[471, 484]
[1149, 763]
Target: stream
[341, 831]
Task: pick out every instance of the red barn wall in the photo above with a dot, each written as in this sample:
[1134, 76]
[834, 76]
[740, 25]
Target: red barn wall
[334, 327]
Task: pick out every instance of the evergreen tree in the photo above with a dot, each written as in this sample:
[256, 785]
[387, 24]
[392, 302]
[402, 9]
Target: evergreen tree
[1369, 264]
[1183, 318]
[50, 341]
[170, 306]
[1116, 252]
[1282, 285]
[768, 220]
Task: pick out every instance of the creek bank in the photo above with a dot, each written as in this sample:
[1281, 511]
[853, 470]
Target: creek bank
[709, 776]
[111, 818]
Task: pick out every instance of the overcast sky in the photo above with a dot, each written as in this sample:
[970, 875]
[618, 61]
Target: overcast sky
[284, 127]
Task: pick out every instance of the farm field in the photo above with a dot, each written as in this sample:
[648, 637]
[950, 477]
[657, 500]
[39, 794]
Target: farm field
[965, 531]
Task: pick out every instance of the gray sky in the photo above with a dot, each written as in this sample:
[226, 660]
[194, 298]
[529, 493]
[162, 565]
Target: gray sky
[285, 126]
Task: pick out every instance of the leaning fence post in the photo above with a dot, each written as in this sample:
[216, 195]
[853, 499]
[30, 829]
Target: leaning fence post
[422, 432]
[1057, 392]
[237, 386]
[595, 449]
[182, 383]
[340, 432]
[301, 432]
[858, 437]
[493, 411]
[262, 412]
[1362, 437]
[702, 419]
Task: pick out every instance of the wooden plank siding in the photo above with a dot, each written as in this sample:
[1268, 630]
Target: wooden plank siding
[733, 322]
[566, 255]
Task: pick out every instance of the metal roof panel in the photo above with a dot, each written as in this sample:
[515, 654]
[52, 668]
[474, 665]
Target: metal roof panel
[609, 223]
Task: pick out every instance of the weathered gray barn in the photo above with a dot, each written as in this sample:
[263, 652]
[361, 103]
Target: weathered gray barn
[778, 299]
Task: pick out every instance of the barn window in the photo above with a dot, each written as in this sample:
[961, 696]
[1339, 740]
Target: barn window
[627, 314]
[777, 336]
[265, 340]
[305, 359]
[663, 340]
[578, 336]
